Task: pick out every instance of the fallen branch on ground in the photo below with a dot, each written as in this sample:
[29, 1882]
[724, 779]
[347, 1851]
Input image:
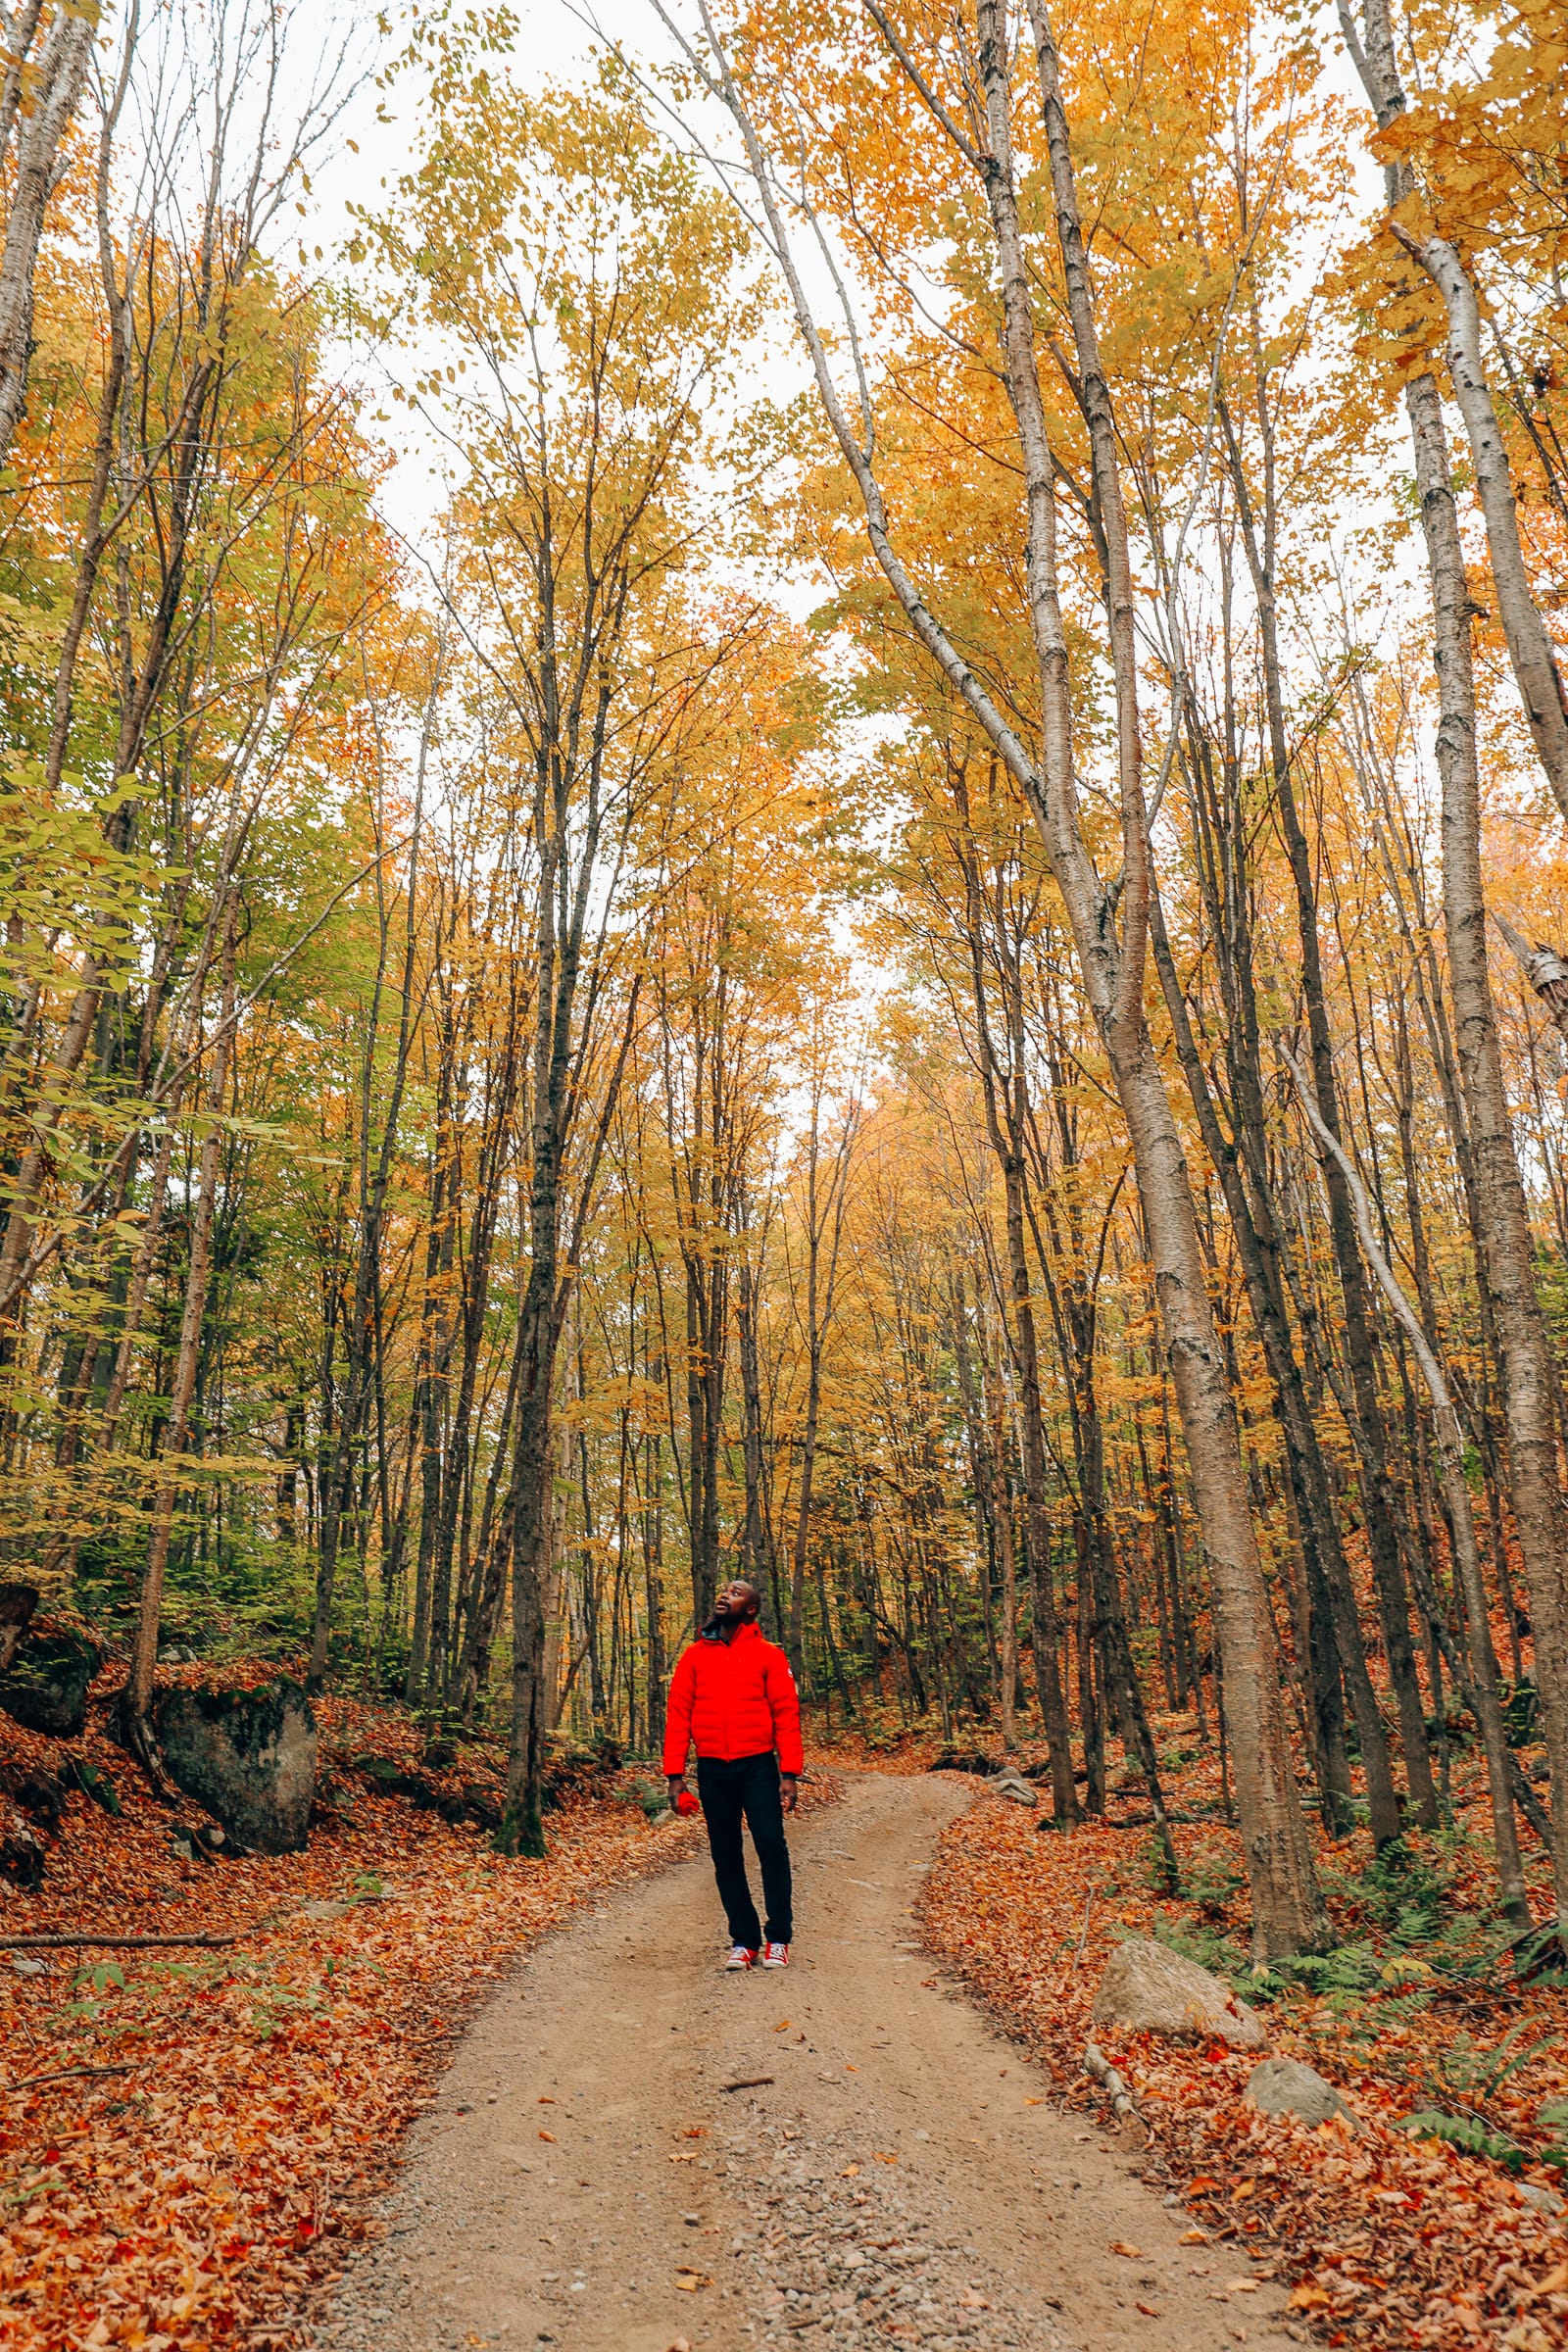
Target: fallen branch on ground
[66, 2074]
[121, 1943]
[1122, 2102]
[1142, 1821]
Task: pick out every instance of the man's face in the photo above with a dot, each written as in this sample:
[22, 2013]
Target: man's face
[737, 1600]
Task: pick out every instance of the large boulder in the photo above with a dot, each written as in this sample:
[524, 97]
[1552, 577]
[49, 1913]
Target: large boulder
[17, 1604]
[249, 1756]
[1148, 1989]
[1285, 2086]
[21, 1856]
[45, 1686]
[38, 1794]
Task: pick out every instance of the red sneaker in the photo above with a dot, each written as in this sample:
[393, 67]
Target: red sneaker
[741, 1956]
[775, 1955]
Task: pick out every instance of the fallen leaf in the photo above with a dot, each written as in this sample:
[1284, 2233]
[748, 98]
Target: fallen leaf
[1119, 2245]
[211, 2178]
[549, 2136]
[1394, 2243]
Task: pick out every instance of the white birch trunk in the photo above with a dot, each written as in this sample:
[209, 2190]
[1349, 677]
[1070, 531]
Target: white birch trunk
[57, 80]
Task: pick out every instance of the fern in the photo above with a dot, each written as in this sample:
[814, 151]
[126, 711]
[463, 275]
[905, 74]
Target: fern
[1465, 2131]
[1212, 1950]
[1475, 2073]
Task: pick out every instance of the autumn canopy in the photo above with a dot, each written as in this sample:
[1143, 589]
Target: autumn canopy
[797, 808]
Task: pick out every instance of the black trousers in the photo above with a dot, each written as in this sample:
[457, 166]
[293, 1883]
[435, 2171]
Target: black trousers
[747, 1787]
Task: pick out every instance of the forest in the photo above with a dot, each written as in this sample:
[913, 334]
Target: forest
[907, 942]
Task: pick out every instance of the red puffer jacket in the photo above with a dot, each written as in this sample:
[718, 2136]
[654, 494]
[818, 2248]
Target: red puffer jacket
[733, 1698]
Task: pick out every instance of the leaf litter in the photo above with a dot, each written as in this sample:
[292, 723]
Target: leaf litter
[191, 2139]
[1385, 2235]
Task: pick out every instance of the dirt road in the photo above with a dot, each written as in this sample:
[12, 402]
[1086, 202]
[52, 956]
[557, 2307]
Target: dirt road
[590, 2180]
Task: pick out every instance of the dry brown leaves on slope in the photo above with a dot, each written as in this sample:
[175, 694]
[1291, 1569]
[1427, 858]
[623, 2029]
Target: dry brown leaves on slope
[1385, 2239]
[189, 2135]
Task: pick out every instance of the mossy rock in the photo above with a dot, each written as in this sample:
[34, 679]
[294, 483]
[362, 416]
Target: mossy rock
[45, 1686]
[17, 1604]
[249, 1756]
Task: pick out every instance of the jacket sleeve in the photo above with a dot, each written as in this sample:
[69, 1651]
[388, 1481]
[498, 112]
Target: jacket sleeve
[678, 1713]
[785, 1703]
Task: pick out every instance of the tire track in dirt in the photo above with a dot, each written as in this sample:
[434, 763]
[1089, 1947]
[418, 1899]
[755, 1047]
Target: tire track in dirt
[586, 2180]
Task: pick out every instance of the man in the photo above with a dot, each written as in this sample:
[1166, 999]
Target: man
[734, 1695]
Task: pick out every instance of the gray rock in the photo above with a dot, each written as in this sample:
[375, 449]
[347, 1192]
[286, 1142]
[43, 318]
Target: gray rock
[324, 1910]
[249, 1756]
[1148, 1989]
[1545, 2201]
[1016, 1789]
[1285, 2086]
[45, 1686]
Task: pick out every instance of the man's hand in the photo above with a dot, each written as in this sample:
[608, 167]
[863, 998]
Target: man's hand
[788, 1791]
[676, 1785]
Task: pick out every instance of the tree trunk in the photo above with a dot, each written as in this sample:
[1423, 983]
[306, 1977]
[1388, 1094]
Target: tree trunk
[1530, 647]
[54, 86]
[1529, 1378]
[1450, 1447]
[1383, 1543]
[1288, 1909]
[1529, 1388]
[521, 1830]
[176, 1429]
[756, 1542]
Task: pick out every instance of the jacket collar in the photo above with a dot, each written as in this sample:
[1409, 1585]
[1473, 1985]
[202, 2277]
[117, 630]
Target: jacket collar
[751, 1631]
